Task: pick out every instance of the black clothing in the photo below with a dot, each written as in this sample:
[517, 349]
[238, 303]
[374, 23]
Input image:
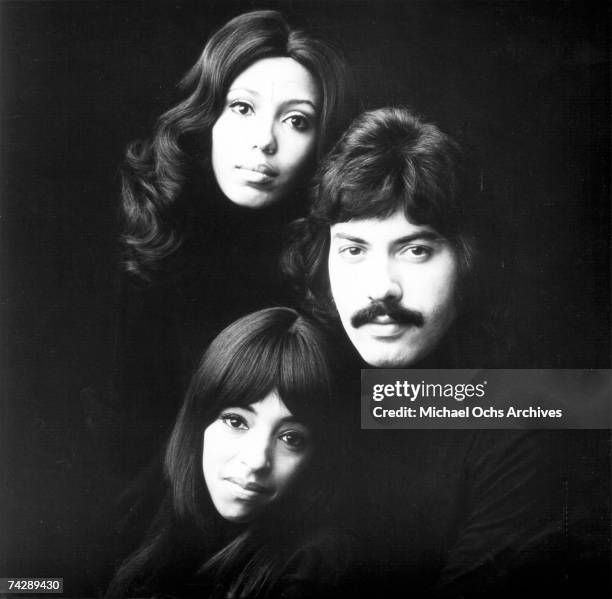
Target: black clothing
[470, 513]
[452, 513]
[303, 557]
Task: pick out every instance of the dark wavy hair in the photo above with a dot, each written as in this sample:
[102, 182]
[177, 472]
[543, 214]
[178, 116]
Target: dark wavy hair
[155, 208]
[273, 349]
[391, 159]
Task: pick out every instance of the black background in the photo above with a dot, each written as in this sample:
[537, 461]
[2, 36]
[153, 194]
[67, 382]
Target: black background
[525, 82]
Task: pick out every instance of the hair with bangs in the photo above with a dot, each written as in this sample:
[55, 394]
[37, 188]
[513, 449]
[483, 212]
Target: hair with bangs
[273, 349]
[388, 160]
[156, 207]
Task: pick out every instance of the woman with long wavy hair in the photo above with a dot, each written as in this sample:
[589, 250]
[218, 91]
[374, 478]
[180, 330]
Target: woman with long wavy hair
[260, 105]
[251, 466]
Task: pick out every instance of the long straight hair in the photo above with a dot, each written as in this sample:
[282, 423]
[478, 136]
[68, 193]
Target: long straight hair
[156, 172]
[271, 350]
[274, 349]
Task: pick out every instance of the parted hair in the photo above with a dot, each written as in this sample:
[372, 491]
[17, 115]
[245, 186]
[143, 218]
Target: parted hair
[392, 159]
[389, 159]
[156, 206]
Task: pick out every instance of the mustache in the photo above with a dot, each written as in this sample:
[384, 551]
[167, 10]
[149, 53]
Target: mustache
[387, 307]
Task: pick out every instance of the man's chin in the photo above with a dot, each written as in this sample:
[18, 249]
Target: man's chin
[387, 358]
[386, 352]
[389, 362]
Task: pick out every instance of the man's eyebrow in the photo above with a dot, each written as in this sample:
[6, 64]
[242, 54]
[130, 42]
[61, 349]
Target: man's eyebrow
[424, 235]
[348, 237]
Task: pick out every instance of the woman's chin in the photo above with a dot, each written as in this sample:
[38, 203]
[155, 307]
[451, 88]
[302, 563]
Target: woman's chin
[239, 515]
[252, 197]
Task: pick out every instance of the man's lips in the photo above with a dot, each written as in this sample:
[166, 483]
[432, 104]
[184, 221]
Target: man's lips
[385, 327]
[383, 319]
[387, 312]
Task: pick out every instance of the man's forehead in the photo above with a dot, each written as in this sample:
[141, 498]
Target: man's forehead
[392, 227]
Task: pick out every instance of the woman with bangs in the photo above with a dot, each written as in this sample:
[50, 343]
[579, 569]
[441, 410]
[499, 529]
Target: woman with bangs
[251, 471]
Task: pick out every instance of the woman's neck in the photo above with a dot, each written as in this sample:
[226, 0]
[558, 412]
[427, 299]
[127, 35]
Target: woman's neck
[269, 219]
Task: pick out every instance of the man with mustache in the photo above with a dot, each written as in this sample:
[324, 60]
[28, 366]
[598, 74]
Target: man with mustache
[389, 251]
[394, 285]
[389, 245]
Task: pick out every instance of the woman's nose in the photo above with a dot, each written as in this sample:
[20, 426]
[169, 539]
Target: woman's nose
[263, 135]
[256, 452]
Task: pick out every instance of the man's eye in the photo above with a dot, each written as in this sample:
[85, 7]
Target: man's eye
[294, 440]
[351, 251]
[241, 108]
[418, 251]
[298, 121]
[234, 421]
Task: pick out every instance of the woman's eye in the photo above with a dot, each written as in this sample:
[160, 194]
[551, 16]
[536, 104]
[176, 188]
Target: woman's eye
[241, 108]
[294, 440]
[234, 421]
[299, 122]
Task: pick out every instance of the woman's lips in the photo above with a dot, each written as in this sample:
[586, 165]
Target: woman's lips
[258, 173]
[266, 169]
[249, 490]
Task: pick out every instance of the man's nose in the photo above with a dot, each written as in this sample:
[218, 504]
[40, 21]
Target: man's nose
[263, 134]
[256, 452]
[383, 281]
